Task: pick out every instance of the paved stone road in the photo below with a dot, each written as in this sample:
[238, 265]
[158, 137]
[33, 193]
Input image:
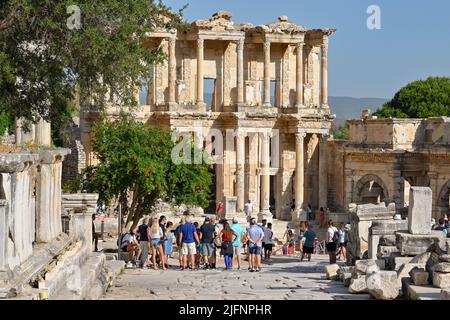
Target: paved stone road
[284, 278]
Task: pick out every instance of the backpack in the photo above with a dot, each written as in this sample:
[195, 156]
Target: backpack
[336, 236]
[244, 238]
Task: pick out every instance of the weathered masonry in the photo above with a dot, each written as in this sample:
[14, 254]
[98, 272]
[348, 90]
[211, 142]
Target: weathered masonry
[263, 79]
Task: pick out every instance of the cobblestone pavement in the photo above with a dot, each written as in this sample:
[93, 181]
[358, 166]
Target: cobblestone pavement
[284, 278]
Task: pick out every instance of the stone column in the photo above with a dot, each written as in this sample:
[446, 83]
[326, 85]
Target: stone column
[48, 195]
[43, 133]
[240, 71]
[324, 72]
[323, 171]
[299, 175]
[266, 73]
[240, 174]
[3, 232]
[200, 97]
[265, 178]
[299, 75]
[198, 142]
[172, 70]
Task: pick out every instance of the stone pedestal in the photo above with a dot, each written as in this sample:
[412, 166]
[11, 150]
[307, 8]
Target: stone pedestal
[381, 232]
[361, 219]
[230, 207]
[420, 209]
[81, 227]
[414, 244]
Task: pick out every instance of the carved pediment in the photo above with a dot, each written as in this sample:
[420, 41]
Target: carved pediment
[282, 26]
[219, 21]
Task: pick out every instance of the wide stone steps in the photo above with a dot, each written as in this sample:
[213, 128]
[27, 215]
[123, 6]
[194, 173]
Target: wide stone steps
[92, 280]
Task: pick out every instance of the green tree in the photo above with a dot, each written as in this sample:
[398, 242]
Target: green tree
[419, 99]
[341, 133]
[135, 166]
[45, 54]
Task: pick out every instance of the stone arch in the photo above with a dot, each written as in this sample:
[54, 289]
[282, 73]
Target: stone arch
[443, 199]
[370, 189]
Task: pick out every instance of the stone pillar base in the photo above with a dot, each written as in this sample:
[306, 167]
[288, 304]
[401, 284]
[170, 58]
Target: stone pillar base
[298, 215]
[265, 215]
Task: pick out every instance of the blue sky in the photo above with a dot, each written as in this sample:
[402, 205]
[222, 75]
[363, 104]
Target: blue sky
[413, 42]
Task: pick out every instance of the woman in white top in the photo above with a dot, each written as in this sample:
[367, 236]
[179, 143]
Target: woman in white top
[331, 243]
[156, 234]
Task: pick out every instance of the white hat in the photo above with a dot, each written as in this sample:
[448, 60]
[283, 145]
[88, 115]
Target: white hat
[235, 220]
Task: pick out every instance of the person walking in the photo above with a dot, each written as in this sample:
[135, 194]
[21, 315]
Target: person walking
[207, 243]
[178, 243]
[308, 247]
[188, 238]
[237, 244]
[248, 209]
[322, 217]
[343, 239]
[309, 212]
[144, 231]
[255, 236]
[228, 236]
[219, 211]
[268, 242]
[332, 238]
[168, 243]
[156, 234]
[301, 235]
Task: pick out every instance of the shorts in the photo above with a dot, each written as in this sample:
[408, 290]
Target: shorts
[236, 250]
[255, 250]
[308, 249]
[268, 247]
[208, 249]
[342, 244]
[331, 246]
[156, 242]
[189, 248]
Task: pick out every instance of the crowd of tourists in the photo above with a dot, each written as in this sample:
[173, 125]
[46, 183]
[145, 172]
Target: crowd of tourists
[152, 243]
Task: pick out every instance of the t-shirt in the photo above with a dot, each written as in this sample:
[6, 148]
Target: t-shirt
[143, 232]
[310, 236]
[128, 237]
[330, 233]
[188, 230]
[240, 232]
[268, 236]
[255, 233]
[341, 236]
[207, 231]
[158, 235]
[248, 208]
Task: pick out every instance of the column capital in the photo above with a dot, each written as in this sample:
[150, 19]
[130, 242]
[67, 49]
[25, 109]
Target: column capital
[241, 134]
[200, 43]
[300, 136]
[266, 44]
[299, 45]
[172, 40]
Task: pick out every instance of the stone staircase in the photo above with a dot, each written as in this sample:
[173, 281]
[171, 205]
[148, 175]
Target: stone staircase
[75, 273]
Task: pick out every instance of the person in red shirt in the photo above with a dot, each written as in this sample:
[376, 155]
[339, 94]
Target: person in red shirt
[228, 236]
[219, 211]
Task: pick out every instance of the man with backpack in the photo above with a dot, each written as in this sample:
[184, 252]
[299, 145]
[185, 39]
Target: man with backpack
[332, 240]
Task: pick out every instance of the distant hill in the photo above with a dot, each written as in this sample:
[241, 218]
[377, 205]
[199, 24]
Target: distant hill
[351, 108]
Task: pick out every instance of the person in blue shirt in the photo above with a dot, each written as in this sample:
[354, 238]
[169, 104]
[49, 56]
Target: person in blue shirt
[237, 244]
[308, 247]
[189, 239]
